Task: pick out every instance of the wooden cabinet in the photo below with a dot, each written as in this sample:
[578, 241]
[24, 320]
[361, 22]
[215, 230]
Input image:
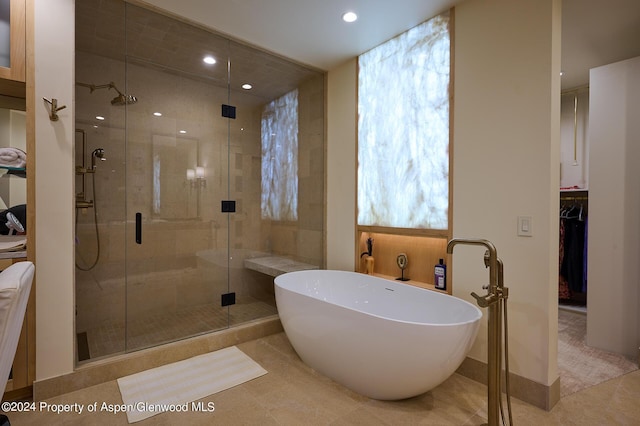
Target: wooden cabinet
[14, 93]
[17, 66]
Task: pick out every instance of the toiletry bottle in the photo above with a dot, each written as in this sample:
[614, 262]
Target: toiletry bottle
[441, 275]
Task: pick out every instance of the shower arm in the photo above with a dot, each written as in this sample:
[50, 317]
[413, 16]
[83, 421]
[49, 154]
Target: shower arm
[92, 87]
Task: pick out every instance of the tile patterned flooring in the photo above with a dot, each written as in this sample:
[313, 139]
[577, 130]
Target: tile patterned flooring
[293, 394]
[158, 329]
[582, 366]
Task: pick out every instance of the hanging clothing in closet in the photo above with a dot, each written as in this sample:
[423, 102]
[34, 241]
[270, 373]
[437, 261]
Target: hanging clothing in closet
[573, 251]
[564, 292]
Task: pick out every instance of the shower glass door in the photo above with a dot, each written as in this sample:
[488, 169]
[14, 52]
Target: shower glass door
[275, 176]
[177, 174]
[100, 180]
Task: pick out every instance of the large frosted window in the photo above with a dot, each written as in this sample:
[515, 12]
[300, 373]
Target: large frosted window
[403, 130]
[279, 133]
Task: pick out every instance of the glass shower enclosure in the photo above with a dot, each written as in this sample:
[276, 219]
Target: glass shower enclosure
[197, 157]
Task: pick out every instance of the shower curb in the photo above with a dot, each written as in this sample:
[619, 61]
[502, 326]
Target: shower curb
[101, 371]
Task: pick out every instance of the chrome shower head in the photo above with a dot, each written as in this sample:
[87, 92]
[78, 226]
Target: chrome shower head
[123, 99]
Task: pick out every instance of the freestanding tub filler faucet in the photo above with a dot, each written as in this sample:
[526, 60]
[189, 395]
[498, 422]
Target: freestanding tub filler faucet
[495, 299]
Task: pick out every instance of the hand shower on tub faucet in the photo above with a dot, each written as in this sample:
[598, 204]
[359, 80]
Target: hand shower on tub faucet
[495, 300]
[500, 273]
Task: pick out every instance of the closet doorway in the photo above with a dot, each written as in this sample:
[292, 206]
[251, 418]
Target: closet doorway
[580, 366]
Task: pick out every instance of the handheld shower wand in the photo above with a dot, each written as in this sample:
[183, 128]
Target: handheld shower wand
[97, 153]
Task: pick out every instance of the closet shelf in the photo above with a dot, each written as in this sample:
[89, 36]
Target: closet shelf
[575, 190]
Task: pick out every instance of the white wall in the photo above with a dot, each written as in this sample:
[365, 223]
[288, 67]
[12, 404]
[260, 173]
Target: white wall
[613, 322]
[54, 78]
[574, 158]
[505, 165]
[341, 166]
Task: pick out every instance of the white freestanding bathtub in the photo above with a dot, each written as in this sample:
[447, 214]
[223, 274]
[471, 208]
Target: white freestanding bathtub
[383, 339]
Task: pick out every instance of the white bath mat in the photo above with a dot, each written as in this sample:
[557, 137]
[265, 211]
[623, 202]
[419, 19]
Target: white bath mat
[174, 386]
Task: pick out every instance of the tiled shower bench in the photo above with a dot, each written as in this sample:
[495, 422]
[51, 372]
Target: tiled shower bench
[275, 265]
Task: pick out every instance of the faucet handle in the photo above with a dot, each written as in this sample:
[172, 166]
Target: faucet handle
[482, 301]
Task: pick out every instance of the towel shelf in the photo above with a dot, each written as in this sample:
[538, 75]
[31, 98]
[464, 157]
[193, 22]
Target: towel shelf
[13, 171]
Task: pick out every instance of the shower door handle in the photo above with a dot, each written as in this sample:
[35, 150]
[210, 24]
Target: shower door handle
[139, 228]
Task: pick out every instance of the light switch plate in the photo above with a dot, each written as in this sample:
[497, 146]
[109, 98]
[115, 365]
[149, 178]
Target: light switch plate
[525, 226]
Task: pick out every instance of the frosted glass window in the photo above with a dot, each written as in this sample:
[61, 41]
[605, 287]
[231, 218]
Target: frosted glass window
[5, 36]
[403, 130]
[279, 134]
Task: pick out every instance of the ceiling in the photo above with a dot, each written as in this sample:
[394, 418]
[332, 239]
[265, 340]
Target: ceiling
[594, 32]
[116, 31]
[308, 31]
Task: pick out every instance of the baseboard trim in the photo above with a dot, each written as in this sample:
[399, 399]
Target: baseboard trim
[534, 393]
[101, 371]
[18, 394]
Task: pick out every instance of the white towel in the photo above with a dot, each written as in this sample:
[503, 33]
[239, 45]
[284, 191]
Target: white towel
[12, 157]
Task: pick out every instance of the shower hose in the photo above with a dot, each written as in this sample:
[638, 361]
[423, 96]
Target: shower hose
[502, 313]
[95, 222]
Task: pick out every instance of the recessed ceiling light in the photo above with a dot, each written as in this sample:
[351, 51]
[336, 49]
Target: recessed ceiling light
[349, 17]
[157, 114]
[183, 131]
[209, 60]
[99, 117]
[247, 86]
